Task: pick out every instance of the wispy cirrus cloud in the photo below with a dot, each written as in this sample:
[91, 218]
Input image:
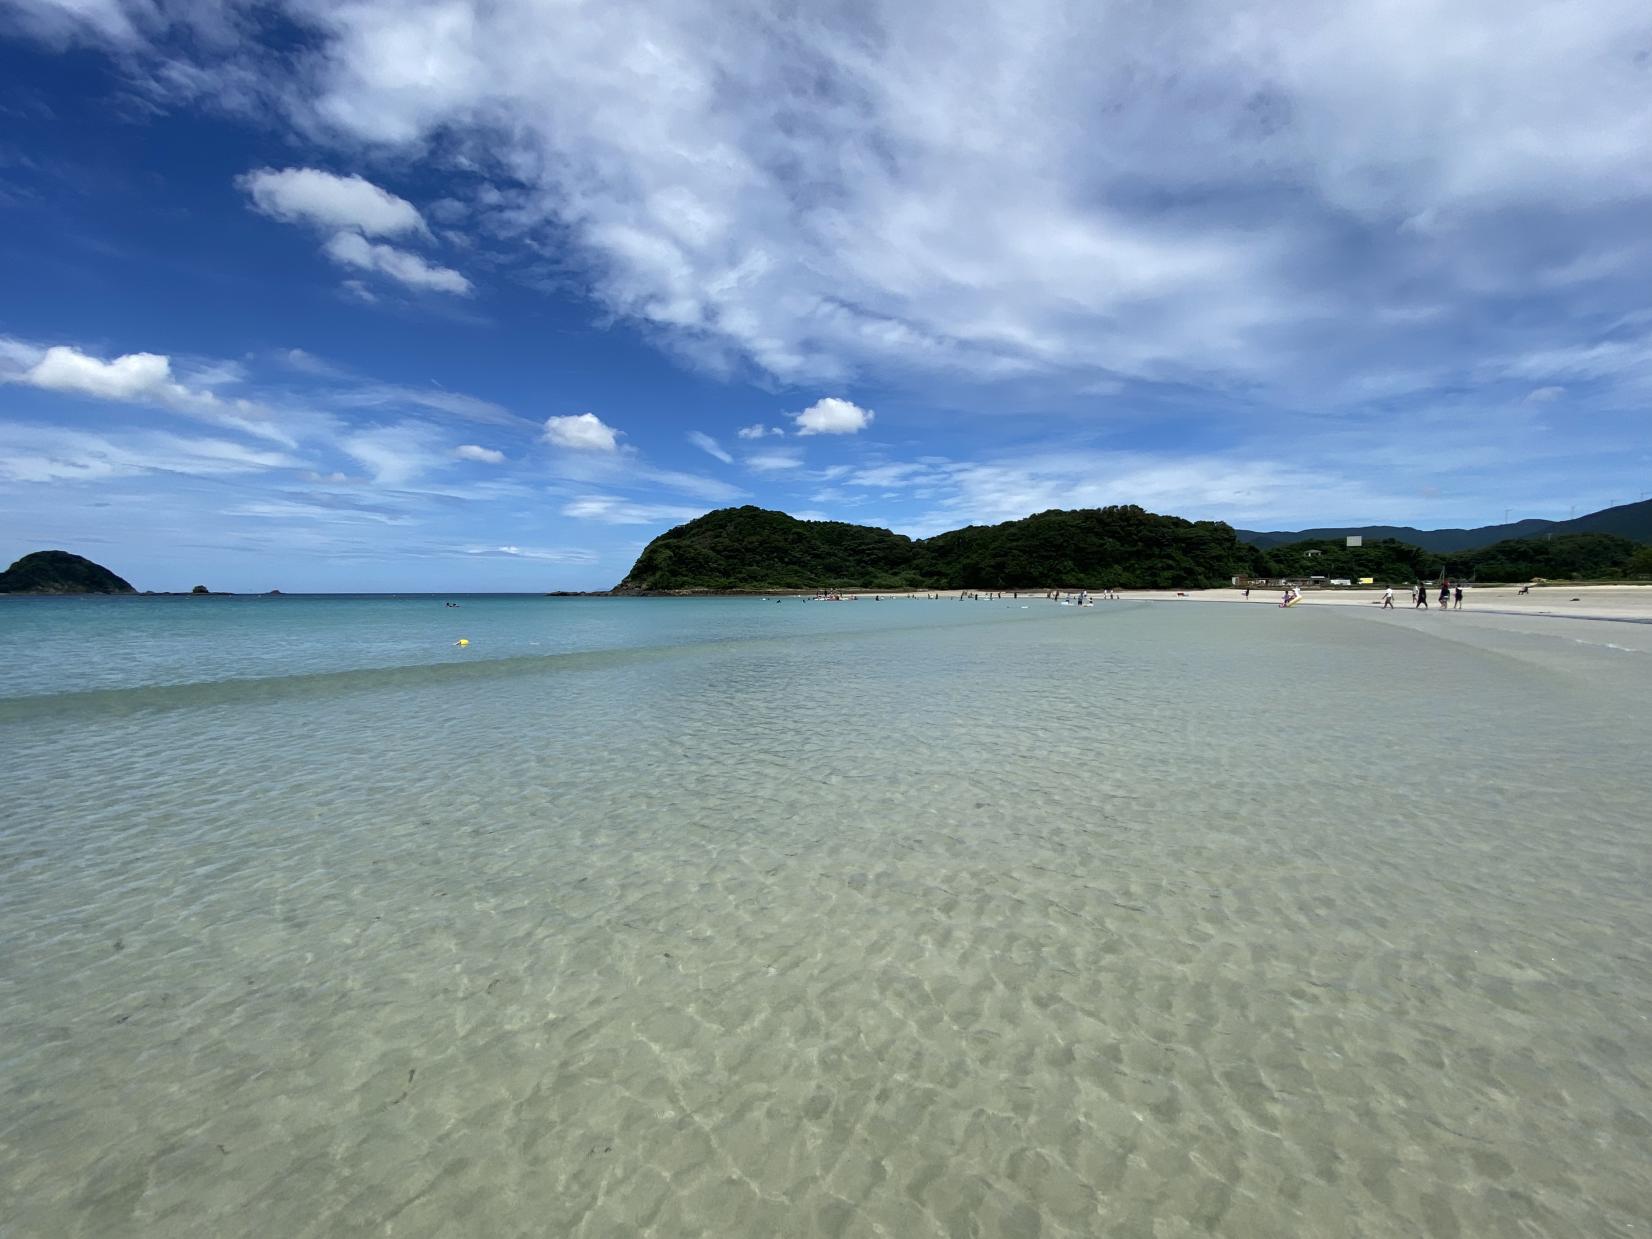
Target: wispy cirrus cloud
[548, 554]
[399, 454]
[34, 453]
[774, 461]
[613, 510]
[709, 446]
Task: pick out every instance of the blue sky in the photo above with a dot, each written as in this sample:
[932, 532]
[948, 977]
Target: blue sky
[447, 295]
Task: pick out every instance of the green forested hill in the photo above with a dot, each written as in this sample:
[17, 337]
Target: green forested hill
[752, 549]
[59, 572]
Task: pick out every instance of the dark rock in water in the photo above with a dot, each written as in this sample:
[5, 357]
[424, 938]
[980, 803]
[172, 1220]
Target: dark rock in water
[275, 593]
[200, 589]
[59, 572]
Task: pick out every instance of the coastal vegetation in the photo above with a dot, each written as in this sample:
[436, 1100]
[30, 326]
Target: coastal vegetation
[1577, 556]
[752, 549]
[755, 550]
[60, 572]
[1626, 520]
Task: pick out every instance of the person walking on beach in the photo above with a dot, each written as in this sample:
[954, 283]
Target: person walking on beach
[1457, 595]
[1445, 595]
[1420, 598]
[1388, 598]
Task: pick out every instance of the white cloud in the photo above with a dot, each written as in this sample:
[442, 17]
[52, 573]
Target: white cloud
[1545, 395]
[623, 470]
[714, 490]
[1245, 489]
[582, 432]
[1162, 192]
[773, 462]
[1246, 196]
[310, 196]
[353, 209]
[482, 455]
[370, 395]
[31, 453]
[887, 475]
[395, 455]
[758, 431]
[709, 446]
[610, 510]
[350, 249]
[549, 554]
[833, 416]
[330, 513]
[134, 378]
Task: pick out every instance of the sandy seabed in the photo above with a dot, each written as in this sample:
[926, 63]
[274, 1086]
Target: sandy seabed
[1129, 920]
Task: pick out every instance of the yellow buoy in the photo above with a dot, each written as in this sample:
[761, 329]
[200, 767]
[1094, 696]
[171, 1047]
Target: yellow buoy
[462, 641]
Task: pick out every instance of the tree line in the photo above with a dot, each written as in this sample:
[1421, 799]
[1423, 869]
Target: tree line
[751, 549]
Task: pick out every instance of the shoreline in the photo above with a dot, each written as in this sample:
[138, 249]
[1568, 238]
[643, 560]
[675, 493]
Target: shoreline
[1623, 603]
[1629, 603]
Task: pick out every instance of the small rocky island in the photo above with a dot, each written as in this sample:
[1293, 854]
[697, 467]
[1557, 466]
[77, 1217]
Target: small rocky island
[60, 572]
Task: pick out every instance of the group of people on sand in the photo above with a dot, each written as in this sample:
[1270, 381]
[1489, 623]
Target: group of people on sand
[1451, 596]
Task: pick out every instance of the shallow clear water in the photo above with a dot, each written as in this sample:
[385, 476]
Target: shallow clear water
[735, 918]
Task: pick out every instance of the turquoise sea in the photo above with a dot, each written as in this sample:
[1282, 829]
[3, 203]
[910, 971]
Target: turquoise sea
[732, 917]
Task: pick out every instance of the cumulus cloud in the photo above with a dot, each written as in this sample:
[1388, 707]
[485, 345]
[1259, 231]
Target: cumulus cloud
[582, 432]
[311, 196]
[482, 455]
[352, 209]
[350, 249]
[134, 378]
[709, 446]
[833, 416]
[758, 431]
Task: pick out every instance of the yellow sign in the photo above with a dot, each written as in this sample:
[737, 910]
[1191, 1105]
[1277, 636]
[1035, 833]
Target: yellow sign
[1368, 580]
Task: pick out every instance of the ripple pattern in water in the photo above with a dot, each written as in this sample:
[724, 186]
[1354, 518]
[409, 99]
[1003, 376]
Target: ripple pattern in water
[1142, 922]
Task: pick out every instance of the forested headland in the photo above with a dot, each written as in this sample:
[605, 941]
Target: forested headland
[755, 550]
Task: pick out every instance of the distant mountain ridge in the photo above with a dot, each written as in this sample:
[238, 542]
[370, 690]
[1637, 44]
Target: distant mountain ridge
[1627, 520]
